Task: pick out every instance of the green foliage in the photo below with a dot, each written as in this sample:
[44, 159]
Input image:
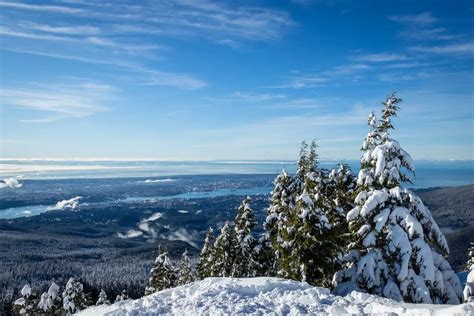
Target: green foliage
[224, 253]
[162, 274]
[185, 272]
[204, 267]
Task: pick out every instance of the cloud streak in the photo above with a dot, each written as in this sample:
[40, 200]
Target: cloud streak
[59, 101]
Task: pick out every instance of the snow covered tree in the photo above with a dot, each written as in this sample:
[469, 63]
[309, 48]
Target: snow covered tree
[312, 258]
[102, 299]
[162, 274]
[264, 256]
[50, 302]
[469, 288]
[340, 187]
[204, 266]
[244, 264]
[302, 168]
[185, 272]
[26, 304]
[397, 247]
[223, 252]
[74, 299]
[122, 296]
[278, 233]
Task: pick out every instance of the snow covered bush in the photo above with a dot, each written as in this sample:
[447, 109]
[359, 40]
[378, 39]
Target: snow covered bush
[244, 264]
[397, 248]
[50, 302]
[74, 298]
[122, 296]
[185, 273]
[26, 304]
[102, 298]
[162, 274]
[224, 252]
[206, 259]
[469, 288]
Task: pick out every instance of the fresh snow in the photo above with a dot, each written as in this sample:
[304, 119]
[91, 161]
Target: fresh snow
[266, 296]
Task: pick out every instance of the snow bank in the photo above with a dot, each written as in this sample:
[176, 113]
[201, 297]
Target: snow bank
[272, 296]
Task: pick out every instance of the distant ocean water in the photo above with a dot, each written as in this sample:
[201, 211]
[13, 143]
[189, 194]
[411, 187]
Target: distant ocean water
[427, 174]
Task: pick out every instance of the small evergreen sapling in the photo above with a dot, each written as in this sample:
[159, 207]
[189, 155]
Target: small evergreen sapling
[74, 299]
[244, 264]
[224, 252]
[162, 274]
[122, 296]
[469, 288]
[26, 304]
[185, 271]
[102, 299]
[206, 258]
[50, 302]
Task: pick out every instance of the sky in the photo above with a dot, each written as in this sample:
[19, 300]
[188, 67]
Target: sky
[198, 79]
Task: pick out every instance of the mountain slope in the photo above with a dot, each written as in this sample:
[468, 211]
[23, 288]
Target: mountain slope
[224, 296]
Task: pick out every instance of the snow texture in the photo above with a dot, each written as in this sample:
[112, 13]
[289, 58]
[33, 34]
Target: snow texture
[267, 296]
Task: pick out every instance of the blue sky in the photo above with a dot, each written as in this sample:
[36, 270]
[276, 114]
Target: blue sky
[232, 80]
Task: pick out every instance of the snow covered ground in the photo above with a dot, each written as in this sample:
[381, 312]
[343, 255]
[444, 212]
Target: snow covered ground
[258, 296]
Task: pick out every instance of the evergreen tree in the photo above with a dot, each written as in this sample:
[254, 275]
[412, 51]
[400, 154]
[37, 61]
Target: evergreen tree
[340, 188]
[264, 257]
[396, 243]
[122, 296]
[244, 264]
[102, 299]
[302, 168]
[74, 299]
[204, 267]
[469, 288]
[50, 302]
[162, 274]
[26, 304]
[313, 253]
[277, 223]
[185, 271]
[223, 253]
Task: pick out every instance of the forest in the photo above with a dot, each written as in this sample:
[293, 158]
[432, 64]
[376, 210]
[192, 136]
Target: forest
[328, 228]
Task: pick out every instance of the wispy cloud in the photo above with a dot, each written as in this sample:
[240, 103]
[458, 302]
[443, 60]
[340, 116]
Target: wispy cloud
[458, 49]
[59, 101]
[44, 8]
[421, 19]
[300, 80]
[70, 30]
[380, 57]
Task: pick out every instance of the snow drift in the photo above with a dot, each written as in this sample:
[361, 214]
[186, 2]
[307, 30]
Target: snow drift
[274, 296]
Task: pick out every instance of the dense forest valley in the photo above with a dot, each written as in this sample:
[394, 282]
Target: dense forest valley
[62, 244]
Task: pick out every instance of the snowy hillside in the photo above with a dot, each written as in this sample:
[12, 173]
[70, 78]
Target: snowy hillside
[223, 296]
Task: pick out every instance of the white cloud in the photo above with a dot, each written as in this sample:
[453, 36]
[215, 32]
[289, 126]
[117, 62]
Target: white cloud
[69, 30]
[380, 57]
[59, 101]
[184, 235]
[153, 217]
[157, 181]
[459, 49]
[132, 233]
[45, 8]
[66, 204]
[11, 183]
[422, 19]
